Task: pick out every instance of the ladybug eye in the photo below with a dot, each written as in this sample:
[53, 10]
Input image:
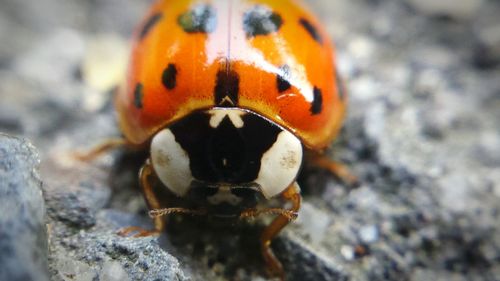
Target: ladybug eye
[171, 162]
[280, 165]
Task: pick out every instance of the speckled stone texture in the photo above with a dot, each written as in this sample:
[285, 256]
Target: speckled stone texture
[422, 136]
[23, 234]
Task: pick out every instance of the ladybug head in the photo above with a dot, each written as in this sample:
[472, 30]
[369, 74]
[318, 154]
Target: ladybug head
[226, 147]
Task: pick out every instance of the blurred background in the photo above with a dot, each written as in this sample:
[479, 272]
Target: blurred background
[422, 135]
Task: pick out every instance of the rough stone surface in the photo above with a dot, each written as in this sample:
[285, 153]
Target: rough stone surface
[104, 256]
[422, 136]
[448, 8]
[23, 235]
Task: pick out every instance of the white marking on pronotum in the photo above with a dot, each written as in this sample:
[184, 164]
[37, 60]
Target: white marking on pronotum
[280, 164]
[219, 114]
[171, 162]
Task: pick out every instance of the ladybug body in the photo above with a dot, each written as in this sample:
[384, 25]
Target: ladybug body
[229, 95]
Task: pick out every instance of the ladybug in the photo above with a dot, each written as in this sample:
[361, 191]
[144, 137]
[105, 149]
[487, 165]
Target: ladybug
[230, 97]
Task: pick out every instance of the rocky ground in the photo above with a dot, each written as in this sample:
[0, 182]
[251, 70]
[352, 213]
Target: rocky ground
[423, 137]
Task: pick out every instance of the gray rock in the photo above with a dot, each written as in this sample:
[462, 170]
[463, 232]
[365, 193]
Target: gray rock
[23, 235]
[465, 9]
[108, 257]
[113, 271]
[368, 234]
[76, 205]
[304, 263]
[487, 36]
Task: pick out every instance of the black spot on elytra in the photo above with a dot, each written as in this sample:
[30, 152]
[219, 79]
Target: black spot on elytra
[169, 77]
[317, 103]
[340, 85]
[138, 95]
[261, 20]
[227, 88]
[282, 79]
[311, 29]
[152, 21]
[200, 19]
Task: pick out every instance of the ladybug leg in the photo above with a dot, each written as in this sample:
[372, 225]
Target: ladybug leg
[291, 194]
[154, 205]
[158, 213]
[152, 202]
[138, 232]
[337, 169]
[100, 149]
[252, 213]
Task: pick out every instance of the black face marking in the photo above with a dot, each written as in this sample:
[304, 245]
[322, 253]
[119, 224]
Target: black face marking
[169, 77]
[227, 88]
[200, 19]
[311, 29]
[226, 142]
[138, 95]
[282, 79]
[226, 153]
[152, 21]
[317, 104]
[260, 20]
[340, 85]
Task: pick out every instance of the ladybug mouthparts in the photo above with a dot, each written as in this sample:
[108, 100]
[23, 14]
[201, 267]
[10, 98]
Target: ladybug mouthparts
[224, 200]
[226, 156]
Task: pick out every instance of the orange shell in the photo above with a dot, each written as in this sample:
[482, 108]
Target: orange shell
[198, 57]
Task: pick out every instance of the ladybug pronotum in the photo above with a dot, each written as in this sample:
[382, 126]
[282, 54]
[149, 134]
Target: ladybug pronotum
[230, 97]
